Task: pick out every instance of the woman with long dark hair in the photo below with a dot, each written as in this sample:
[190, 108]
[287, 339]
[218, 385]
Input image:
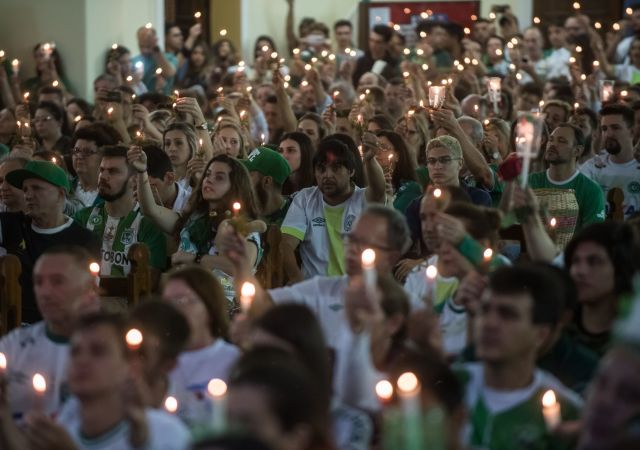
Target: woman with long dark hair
[297, 149]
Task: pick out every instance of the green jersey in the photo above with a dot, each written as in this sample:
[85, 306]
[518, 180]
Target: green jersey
[119, 234]
[506, 420]
[406, 193]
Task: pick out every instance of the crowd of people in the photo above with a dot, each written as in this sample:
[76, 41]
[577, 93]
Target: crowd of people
[430, 246]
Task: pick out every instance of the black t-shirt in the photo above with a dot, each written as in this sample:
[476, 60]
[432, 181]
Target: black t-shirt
[20, 239]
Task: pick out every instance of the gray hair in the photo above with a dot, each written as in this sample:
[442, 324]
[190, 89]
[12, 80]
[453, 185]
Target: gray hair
[398, 234]
[477, 131]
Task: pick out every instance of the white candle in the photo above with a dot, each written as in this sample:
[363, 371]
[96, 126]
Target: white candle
[368, 268]
[384, 390]
[171, 404]
[431, 274]
[40, 388]
[551, 410]
[247, 294]
[409, 394]
[94, 268]
[217, 390]
[15, 64]
[524, 148]
[3, 362]
[134, 338]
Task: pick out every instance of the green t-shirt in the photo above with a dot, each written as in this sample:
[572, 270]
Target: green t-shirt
[278, 216]
[333, 216]
[588, 194]
[118, 235]
[501, 420]
[407, 192]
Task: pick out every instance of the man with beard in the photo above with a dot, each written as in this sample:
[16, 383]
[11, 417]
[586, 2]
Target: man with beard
[42, 224]
[563, 149]
[319, 216]
[269, 170]
[118, 222]
[617, 169]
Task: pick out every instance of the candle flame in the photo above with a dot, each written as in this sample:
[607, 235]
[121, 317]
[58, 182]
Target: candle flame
[134, 338]
[488, 254]
[110, 110]
[77, 118]
[159, 71]
[39, 383]
[384, 389]
[3, 361]
[549, 399]
[197, 15]
[15, 62]
[148, 25]
[437, 193]
[94, 268]
[217, 387]
[408, 383]
[553, 222]
[248, 289]
[171, 404]
[236, 207]
[431, 272]
[368, 257]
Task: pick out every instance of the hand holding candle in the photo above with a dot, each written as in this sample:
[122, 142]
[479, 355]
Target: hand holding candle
[238, 221]
[437, 96]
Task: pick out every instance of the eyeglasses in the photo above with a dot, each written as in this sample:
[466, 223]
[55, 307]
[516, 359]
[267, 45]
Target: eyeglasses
[444, 160]
[350, 239]
[42, 119]
[83, 152]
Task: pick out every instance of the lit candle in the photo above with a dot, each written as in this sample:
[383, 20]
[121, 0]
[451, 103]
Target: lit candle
[15, 64]
[409, 394]
[616, 26]
[2, 56]
[40, 388]
[77, 118]
[438, 195]
[25, 96]
[597, 25]
[576, 6]
[159, 71]
[54, 160]
[247, 294]
[198, 16]
[217, 390]
[536, 20]
[3, 363]
[139, 137]
[606, 90]
[390, 164]
[94, 268]
[110, 111]
[236, 208]
[384, 391]
[148, 25]
[524, 147]
[553, 223]
[432, 274]
[551, 410]
[596, 64]
[495, 86]
[307, 67]
[369, 273]
[134, 339]
[171, 404]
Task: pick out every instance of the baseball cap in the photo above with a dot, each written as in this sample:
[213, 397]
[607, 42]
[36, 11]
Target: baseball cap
[42, 170]
[269, 163]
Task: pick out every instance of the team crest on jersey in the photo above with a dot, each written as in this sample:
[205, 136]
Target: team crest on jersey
[95, 220]
[348, 222]
[127, 237]
[318, 222]
[634, 187]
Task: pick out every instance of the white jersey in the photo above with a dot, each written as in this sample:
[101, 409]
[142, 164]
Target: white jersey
[306, 220]
[188, 381]
[166, 432]
[322, 295]
[609, 175]
[32, 350]
[182, 198]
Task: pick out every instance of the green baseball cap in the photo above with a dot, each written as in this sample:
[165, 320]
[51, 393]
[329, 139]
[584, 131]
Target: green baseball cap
[269, 163]
[42, 170]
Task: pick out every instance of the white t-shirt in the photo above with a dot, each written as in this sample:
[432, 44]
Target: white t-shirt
[30, 350]
[555, 65]
[166, 432]
[627, 72]
[306, 221]
[188, 381]
[183, 197]
[609, 174]
[324, 296]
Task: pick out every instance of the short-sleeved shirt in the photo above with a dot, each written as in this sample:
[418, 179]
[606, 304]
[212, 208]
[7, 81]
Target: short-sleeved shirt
[22, 238]
[588, 194]
[119, 234]
[610, 175]
[406, 193]
[320, 227]
[149, 74]
[30, 350]
[277, 217]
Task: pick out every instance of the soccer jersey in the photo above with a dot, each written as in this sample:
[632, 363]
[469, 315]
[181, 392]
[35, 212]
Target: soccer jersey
[119, 234]
[406, 193]
[184, 192]
[588, 195]
[610, 175]
[311, 221]
[166, 432]
[31, 350]
[188, 381]
[504, 420]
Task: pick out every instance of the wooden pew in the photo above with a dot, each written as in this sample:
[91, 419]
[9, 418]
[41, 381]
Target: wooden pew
[136, 286]
[10, 293]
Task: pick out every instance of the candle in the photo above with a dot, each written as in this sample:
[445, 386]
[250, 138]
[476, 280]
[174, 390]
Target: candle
[15, 64]
[409, 393]
[597, 25]
[576, 6]
[134, 339]
[48, 49]
[384, 391]
[369, 269]
[438, 195]
[217, 390]
[198, 16]
[94, 269]
[223, 32]
[606, 90]
[139, 137]
[3, 362]
[40, 388]
[551, 410]
[536, 20]
[139, 67]
[494, 92]
[616, 26]
[524, 147]
[171, 404]
[247, 294]
[307, 67]
[436, 96]
[159, 71]
[25, 96]
[110, 111]
[390, 164]
[148, 25]
[54, 160]
[2, 56]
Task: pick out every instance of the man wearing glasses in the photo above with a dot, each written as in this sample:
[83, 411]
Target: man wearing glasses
[86, 158]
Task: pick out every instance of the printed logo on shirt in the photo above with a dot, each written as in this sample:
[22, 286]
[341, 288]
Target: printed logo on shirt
[95, 220]
[634, 187]
[348, 222]
[127, 236]
[336, 307]
[318, 222]
[118, 258]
